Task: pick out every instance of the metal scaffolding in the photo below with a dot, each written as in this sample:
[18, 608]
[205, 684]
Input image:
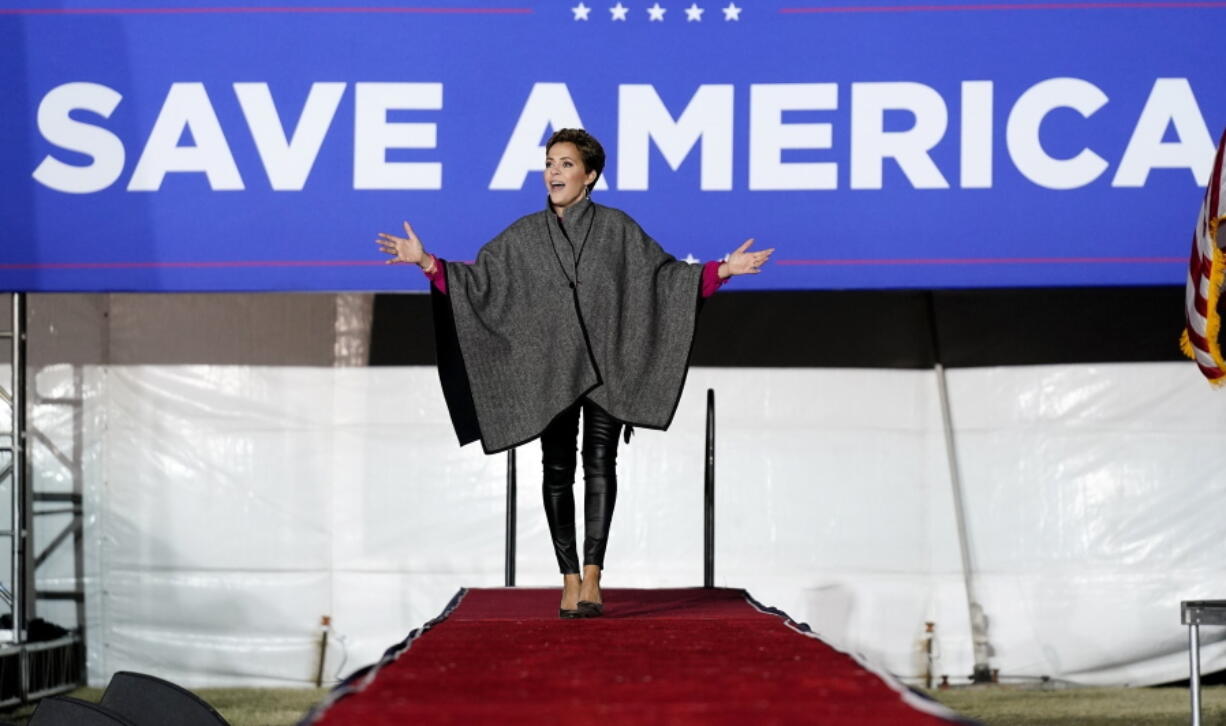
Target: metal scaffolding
[16, 469]
[32, 664]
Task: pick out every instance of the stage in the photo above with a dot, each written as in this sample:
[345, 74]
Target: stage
[678, 656]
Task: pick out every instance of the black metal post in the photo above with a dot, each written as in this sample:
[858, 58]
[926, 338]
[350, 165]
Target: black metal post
[510, 547]
[708, 538]
[23, 500]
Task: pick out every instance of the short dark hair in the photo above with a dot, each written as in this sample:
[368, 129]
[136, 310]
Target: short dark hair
[589, 148]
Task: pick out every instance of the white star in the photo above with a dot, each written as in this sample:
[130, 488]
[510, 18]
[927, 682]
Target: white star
[656, 12]
[693, 13]
[732, 12]
[691, 259]
[581, 11]
[619, 11]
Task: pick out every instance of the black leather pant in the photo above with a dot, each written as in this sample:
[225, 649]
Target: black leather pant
[600, 432]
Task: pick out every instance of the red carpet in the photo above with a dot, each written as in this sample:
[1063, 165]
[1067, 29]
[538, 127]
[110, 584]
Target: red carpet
[684, 656]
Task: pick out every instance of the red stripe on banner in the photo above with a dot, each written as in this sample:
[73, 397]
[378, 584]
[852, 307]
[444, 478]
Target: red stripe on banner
[1194, 262]
[223, 264]
[1001, 6]
[795, 262]
[992, 261]
[265, 9]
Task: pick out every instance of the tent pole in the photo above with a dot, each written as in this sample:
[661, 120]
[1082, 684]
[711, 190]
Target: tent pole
[979, 622]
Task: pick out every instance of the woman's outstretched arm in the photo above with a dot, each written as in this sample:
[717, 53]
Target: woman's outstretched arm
[741, 262]
[409, 250]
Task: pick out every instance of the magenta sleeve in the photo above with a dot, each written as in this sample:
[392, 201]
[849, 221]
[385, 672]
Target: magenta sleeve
[438, 276]
[710, 278]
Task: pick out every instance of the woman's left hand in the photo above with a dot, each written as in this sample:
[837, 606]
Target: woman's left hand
[407, 249]
[747, 263]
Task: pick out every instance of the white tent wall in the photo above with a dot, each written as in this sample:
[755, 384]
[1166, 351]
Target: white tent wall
[1094, 504]
[230, 506]
[236, 505]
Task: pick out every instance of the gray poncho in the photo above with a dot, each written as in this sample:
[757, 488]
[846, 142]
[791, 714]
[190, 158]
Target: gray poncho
[543, 317]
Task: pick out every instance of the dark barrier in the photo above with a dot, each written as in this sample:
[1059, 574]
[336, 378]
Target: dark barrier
[131, 699]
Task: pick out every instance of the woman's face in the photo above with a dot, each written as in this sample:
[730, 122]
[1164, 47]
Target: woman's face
[565, 177]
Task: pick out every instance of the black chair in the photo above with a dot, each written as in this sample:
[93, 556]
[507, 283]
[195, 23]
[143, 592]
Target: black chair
[64, 711]
[148, 701]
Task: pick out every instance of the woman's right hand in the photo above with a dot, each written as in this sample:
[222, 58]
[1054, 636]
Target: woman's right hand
[404, 250]
[743, 262]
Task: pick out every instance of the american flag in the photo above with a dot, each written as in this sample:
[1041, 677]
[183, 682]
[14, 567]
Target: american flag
[1206, 271]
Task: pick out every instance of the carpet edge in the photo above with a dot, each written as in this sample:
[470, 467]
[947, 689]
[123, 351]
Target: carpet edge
[908, 696]
[357, 681]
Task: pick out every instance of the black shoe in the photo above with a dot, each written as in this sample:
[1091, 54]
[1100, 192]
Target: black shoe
[591, 609]
[570, 614]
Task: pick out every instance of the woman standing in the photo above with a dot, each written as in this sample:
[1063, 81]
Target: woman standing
[570, 310]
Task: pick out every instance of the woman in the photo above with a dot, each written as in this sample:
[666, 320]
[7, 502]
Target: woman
[570, 310]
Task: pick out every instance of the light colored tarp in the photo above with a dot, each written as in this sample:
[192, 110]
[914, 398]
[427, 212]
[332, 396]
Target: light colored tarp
[228, 508]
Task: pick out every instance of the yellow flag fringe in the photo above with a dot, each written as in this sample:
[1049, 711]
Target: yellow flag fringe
[1213, 321]
[1213, 326]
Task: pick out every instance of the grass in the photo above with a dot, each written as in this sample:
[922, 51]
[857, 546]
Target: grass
[239, 706]
[991, 705]
[1017, 706]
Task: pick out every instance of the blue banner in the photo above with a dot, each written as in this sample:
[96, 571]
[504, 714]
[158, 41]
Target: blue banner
[183, 145]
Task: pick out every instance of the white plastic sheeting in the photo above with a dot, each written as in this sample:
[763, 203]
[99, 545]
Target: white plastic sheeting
[229, 508]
